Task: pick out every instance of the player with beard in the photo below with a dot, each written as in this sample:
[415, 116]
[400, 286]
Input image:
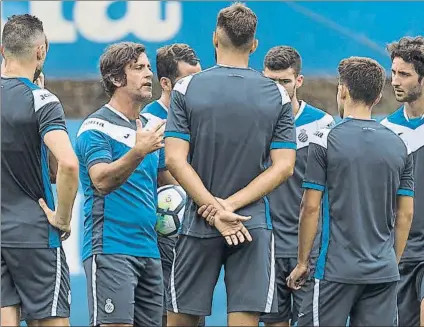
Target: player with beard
[173, 62]
[408, 121]
[360, 174]
[119, 160]
[283, 64]
[34, 273]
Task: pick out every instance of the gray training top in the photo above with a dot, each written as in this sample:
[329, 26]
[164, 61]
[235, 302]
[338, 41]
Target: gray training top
[285, 200]
[232, 118]
[412, 131]
[361, 166]
[27, 114]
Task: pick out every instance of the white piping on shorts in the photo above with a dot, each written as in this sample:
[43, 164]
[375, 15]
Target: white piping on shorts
[173, 291]
[94, 288]
[315, 303]
[57, 283]
[271, 288]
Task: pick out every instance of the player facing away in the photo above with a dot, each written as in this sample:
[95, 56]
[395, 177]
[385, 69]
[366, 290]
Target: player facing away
[35, 151]
[173, 62]
[228, 120]
[367, 189]
[119, 161]
[408, 121]
[283, 64]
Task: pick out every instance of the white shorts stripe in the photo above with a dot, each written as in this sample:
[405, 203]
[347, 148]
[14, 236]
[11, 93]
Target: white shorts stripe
[173, 292]
[94, 289]
[271, 287]
[57, 283]
[315, 303]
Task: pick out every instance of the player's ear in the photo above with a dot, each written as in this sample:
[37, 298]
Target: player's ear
[165, 84]
[299, 81]
[215, 39]
[377, 100]
[116, 82]
[41, 52]
[254, 45]
[342, 91]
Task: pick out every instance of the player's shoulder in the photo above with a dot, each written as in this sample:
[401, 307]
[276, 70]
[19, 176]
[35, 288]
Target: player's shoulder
[183, 84]
[43, 97]
[321, 135]
[155, 108]
[396, 121]
[25, 90]
[98, 121]
[310, 114]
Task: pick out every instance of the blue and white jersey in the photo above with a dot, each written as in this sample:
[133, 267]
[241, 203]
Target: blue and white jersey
[123, 221]
[412, 131]
[157, 110]
[285, 200]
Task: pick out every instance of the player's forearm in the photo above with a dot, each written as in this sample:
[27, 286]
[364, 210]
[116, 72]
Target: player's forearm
[166, 178]
[187, 177]
[402, 228]
[262, 185]
[66, 187]
[111, 176]
[308, 226]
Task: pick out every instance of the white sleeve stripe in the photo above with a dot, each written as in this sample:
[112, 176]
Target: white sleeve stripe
[182, 85]
[320, 137]
[43, 97]
[284, 95]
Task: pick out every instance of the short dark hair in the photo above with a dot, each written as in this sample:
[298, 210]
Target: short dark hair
[168, 57]
[239, 24]
[363, 77]
[282, 58]
[411, 50]
[113, 62]
[20, 32]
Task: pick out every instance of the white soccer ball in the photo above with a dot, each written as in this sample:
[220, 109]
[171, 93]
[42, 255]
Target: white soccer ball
[170, 210]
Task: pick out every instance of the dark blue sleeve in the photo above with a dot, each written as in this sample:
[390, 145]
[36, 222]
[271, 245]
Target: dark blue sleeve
[316, 167]
[94, 147]
[49, 112]
[284, 136]
[406, 187]
[177, 124]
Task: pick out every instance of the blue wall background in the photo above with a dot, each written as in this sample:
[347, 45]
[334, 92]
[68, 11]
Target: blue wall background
[323, 32]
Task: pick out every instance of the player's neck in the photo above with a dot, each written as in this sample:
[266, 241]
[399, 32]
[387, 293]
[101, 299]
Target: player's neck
[165, 99]
[357, 111]
[295, 105]
[126, 106]
[14, 68]
[415, 109]
[232, 59]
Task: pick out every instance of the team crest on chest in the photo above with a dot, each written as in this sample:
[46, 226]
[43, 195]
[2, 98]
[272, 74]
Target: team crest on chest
[303, 136]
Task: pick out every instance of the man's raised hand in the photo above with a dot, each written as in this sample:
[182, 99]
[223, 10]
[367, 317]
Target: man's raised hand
[149, 140]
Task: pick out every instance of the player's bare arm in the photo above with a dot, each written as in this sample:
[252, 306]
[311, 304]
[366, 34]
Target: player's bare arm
[52, 168]
[404, 215]
[66, 181]
[308, 226]
[281, 168]
[166, 178]
[107, 177]
[229, 224]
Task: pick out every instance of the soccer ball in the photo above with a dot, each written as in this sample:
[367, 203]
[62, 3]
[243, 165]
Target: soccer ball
[170, 210]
